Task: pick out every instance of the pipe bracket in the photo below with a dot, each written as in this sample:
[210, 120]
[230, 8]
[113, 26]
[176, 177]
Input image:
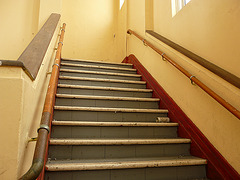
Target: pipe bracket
[44, 126]
[192, 80]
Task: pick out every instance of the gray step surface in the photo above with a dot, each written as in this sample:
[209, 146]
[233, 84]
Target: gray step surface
[98, 68]
[102, 130]
[96, 74]
[63, 149]
[103, 91]
[106, 101]
[107, 114]
[130, 169]
[96, 63]
[101, 82]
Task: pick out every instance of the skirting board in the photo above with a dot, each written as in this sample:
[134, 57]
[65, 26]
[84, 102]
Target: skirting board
[218, 167]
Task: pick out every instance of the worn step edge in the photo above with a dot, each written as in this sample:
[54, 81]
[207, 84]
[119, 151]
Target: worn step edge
[93, 61]
[73, 108]
[67, 142]
[112, 124]
[124, 164]
[100, 67]
[69, 96]
[100, 80]
[100, 73]
[103, 88]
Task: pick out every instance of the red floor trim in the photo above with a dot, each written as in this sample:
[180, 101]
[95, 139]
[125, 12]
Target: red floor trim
[218, 167]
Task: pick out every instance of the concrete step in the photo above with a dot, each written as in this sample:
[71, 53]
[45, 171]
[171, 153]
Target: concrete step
[96, 63]
[103, 91]
[98, 68]
[96, 74]
[106, 101]
[117, 148]
[117, 130]
[128, 169]
[101, 82]
[107, 114]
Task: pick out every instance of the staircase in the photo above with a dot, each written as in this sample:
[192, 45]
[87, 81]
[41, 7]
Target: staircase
[105, 127]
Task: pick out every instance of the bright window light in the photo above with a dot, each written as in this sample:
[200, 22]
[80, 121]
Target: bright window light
[177, 5]
[121, 3]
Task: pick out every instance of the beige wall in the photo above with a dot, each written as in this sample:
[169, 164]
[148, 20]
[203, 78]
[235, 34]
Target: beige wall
[20, 111]
[208, 28]
[92, 29]
[19, 24]
[21, 99]
[46, 8]
[216, 123]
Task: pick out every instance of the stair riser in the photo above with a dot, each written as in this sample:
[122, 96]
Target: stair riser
[113, 132]
[96, 64]
[163, 173]
[100, 76]
[103, 93]
[99, 69]
[116, 151]
[104, 84]
[106, 103]
[106, 116]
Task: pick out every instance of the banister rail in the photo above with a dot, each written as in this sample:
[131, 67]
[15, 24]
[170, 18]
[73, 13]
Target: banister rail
[43, 132]
[193, 79]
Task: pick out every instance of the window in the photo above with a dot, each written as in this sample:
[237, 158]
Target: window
[121, 3]
[177, 5]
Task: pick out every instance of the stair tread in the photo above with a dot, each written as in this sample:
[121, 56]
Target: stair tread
[71, 141]
[106, 98]
[114, 124]
[75, 108]
[101, 80]
[71, 165]
[100, 67]
[104, 88]
[100, 73]
[93, 61]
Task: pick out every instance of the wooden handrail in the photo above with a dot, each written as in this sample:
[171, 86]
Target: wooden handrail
[40, 150]
[227, 76]
[193, 79]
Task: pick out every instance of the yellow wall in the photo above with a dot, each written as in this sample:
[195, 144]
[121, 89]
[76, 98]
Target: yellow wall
[20, 111]
[92, 29]
[46, 8]
[216, 123]
[19, 24]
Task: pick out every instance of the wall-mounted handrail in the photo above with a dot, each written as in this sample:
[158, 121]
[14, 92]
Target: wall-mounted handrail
[43, 131]
[229, 77]
[193, 79]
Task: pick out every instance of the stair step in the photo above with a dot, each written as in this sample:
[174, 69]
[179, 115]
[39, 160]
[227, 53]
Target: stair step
[107, 98]
[102, 82]
[65, 142]
[113, 124]
[103, 88]
[100, 73]
[103, 91]
[69, 113]
[82, 61]
[106, 101]
[98, 68]
[121, 164]
[71, 108]
[112, 130]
